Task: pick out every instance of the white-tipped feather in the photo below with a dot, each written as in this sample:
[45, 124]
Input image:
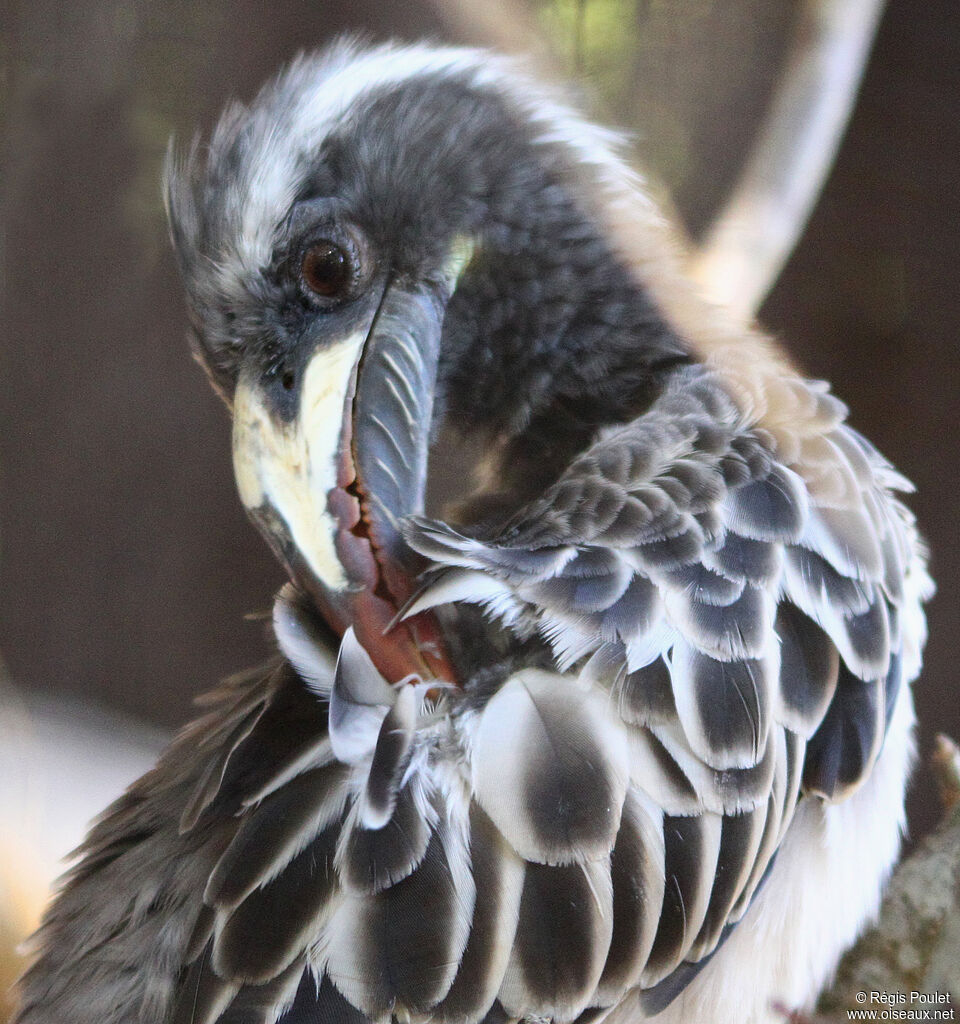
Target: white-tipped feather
[550, 768]
[561, 945]
[469, 585]
[312, 659]
[359, 702]
[724, 707]
[379, 797]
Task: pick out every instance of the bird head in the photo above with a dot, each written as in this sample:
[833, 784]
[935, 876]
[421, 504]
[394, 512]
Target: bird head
[384, 240]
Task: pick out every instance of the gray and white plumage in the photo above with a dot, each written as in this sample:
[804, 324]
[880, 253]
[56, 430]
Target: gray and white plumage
[664, 774]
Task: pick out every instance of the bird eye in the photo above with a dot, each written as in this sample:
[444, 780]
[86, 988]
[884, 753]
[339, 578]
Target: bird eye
[325, 269]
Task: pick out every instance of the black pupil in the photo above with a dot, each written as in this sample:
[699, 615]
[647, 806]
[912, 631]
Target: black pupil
[325, 269]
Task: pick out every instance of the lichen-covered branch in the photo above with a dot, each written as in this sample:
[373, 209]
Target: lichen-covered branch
[915, 945]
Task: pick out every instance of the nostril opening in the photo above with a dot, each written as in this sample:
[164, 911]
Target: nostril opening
[287, 380]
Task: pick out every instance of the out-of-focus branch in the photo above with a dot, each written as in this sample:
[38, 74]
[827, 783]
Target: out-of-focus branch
[752, 237]
[946, 765]
[757, 228]
[23, 893]
[504, 26]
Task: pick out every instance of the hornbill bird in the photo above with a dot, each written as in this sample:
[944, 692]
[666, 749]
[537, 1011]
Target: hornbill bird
[626, 734]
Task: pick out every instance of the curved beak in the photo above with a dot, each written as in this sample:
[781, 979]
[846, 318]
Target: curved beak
[330, 485]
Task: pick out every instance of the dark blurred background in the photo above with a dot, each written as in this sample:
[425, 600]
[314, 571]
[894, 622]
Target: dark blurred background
[126, 564]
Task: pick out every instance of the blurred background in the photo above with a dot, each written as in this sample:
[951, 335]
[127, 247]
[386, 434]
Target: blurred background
[126, 565]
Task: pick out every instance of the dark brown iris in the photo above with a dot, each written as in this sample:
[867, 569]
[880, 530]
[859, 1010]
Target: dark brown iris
[325, 269]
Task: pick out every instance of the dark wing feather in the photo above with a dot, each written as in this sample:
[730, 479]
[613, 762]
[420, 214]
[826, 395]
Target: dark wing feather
[498, 874]
[321, 1004]
[561, 942]
[203, 995]
[402, 945]
[638, 873]
[276, 922]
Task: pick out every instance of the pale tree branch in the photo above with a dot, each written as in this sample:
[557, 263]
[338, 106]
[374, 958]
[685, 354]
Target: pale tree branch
[756, 231]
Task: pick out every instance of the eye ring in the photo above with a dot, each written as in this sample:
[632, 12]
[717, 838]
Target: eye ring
[326, 269]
